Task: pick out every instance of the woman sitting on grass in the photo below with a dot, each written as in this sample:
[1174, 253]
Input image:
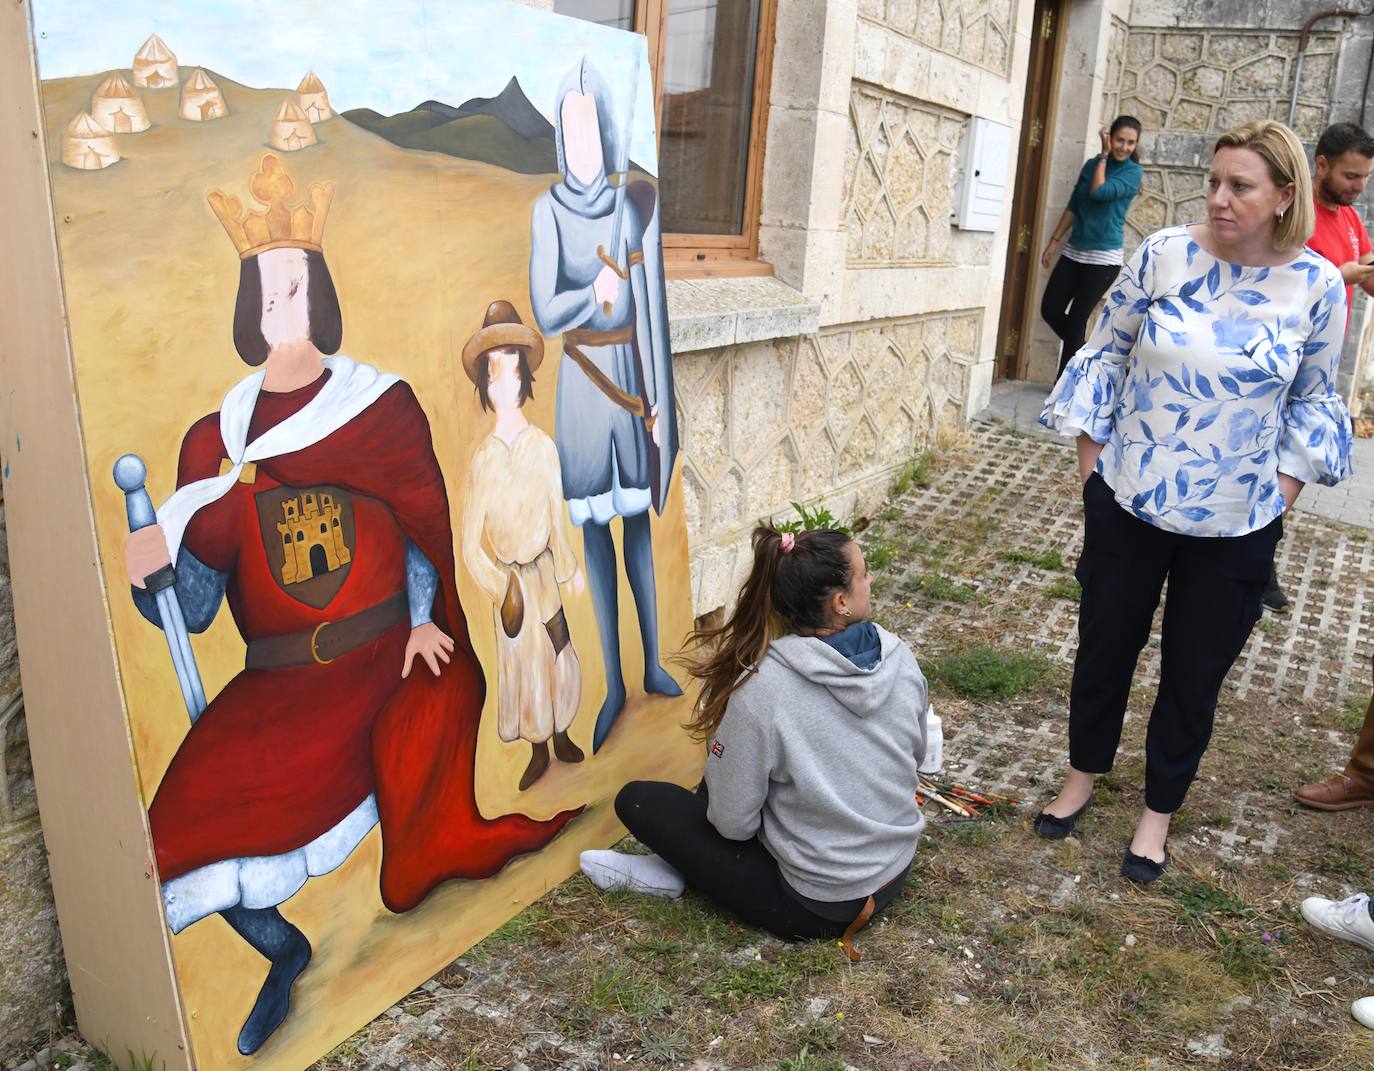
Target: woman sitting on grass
[807, 820]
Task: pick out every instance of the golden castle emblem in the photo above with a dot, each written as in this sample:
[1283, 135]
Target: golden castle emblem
[312, 537]
[281, 225]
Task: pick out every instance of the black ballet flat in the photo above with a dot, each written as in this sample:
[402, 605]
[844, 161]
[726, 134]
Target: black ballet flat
[1052, 827]
[1141, 870]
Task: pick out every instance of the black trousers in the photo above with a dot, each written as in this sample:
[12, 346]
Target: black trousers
[740, 876]
[1215, 586]
[1071, 294]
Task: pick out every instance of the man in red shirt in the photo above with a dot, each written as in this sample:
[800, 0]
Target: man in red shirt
[1345, 159]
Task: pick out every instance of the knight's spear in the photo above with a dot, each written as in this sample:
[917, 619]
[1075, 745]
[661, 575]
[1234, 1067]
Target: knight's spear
[130, 473]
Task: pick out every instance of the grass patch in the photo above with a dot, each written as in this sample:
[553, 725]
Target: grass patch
[939, 588]
[1247, 954]
[1269, 626]
[916, 473]
[1352, 717]
[784, 973]
[1065, 587]
[1342, 857]
[879, 553]
[1050, 560]
[804, 1061]
[984, 672]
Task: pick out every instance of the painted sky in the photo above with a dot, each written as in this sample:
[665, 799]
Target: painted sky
[388, 57]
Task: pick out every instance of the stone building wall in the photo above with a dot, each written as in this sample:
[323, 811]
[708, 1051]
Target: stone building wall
[870, 104]
[1189, 70]
[1188, 86]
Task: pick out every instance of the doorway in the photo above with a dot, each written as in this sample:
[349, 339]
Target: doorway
[1023, 244]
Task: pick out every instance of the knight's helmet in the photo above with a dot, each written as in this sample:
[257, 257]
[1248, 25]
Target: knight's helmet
[587, 80]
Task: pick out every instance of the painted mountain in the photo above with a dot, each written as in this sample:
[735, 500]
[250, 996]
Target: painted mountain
[505, 130]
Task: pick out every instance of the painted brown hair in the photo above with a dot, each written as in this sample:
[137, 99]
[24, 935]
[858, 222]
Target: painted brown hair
[482, 366]
[326, 322]
[790, 589]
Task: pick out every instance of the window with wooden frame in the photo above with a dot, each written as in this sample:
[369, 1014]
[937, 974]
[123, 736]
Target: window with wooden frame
[712, 64]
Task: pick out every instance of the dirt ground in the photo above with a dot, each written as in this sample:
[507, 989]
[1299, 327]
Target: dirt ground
[1005, 952]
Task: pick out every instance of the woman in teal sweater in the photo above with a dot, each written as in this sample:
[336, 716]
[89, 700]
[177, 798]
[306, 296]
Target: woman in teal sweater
[1096, 213]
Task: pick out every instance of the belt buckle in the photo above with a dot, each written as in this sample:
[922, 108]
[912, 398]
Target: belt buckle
[314, 640]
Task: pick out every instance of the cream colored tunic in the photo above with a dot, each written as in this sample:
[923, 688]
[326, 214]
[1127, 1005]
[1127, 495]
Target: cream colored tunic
[513, 522]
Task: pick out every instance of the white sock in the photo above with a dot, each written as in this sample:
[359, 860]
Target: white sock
[639, 873]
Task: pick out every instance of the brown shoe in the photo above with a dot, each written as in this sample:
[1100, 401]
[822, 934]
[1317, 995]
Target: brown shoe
[1338, 793]
[539, 762]
[565, 749]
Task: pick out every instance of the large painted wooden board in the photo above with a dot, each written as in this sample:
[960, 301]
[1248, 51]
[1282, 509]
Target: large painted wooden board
[374, 295]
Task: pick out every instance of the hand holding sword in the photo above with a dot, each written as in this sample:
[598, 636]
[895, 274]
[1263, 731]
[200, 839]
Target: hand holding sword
[150, 567]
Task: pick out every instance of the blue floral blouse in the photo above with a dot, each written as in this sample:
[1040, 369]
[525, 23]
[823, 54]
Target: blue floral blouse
[1205, 380]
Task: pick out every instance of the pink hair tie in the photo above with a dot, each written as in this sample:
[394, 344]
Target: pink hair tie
[788, 542]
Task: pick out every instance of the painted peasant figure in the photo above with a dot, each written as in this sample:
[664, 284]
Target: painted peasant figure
[615, 429]
[514, 506]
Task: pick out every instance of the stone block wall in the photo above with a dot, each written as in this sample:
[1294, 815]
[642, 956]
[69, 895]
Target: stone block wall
[1189, 70]
[818, 418]
[870, 105]
[1188, 86]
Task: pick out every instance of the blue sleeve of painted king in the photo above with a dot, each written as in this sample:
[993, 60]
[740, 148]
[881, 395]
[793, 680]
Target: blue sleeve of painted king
[422, 581]
[199, 589]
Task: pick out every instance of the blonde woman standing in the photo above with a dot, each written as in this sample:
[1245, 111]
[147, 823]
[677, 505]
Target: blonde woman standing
[1202, 404]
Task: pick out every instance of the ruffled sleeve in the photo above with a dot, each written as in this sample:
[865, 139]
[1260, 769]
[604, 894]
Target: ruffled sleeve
[1315, 443]
[1084, 400]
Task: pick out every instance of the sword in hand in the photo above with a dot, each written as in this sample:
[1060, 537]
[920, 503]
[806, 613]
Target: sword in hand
[147, 546]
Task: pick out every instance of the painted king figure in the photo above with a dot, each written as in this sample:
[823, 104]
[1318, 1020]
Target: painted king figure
[596, 279]
[313, 502]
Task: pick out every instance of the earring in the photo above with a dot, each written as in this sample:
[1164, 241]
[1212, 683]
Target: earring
[846, 613]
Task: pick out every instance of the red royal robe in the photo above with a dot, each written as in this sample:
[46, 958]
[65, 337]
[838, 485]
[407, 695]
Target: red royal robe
[281, 756]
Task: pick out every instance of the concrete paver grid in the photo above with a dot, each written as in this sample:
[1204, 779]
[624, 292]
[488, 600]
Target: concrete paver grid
[1024, 491]
[1318, 653]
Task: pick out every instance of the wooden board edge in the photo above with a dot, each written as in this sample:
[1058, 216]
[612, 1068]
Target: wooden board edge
[95, 823]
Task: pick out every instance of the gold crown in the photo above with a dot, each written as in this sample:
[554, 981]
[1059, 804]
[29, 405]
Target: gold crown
[281, 226]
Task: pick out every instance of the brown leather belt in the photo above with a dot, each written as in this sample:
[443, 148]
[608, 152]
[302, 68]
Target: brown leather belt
[329, 639]
[860, 921]
[578, 337]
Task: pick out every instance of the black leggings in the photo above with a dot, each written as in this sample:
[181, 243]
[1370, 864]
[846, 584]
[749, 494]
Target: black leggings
[1071, 294]
[739, 875]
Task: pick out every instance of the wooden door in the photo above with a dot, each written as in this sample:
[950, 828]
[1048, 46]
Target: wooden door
[1023, 244]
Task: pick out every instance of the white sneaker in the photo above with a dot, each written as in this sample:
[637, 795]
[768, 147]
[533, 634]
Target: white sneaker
[649, 874]
[1363, 1011]
[1347, 919]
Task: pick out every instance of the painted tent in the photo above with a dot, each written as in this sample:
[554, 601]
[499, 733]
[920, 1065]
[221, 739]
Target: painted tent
[389, 401]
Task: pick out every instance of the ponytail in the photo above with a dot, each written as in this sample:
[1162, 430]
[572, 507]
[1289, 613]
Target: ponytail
[786, 590]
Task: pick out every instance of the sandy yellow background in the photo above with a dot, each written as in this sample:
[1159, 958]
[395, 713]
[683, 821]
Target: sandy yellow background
[418, 245]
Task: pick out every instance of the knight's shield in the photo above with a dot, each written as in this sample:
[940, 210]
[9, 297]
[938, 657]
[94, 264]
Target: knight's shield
[309, 536]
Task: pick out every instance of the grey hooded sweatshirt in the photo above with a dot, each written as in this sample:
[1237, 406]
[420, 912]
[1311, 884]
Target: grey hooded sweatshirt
[818, 758]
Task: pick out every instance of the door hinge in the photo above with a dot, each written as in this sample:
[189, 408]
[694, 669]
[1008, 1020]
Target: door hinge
[1023, 237]
[1047, 25]
[1037, 133]
[1010, 346]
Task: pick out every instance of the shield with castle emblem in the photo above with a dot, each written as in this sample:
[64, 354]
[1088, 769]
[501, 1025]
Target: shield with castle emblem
[308, 534]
